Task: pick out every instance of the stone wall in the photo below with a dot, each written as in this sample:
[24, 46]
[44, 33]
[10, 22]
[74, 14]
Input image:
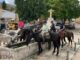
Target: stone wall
[8, 54]
[18, 53]
[26, 51]
[4, 39]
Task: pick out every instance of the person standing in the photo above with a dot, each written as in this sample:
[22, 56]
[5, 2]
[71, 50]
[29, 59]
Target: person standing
[62, 26]
[20, 24]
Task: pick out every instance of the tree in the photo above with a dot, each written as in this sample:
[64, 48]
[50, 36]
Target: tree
[30, 9]
[64, 9]
[33, 9]
[4, 5]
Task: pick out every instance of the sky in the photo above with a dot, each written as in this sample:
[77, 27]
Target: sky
[8, 1]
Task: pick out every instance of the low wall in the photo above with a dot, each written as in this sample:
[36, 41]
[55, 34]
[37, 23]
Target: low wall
[26, 51]
[7, 54]
[18, 53]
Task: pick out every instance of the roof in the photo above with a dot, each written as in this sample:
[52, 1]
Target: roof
[8, 14]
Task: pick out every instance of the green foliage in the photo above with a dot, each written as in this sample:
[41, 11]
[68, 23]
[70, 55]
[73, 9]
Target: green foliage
[34, 9]
[65, 9]
[4, 5]
[30, 9]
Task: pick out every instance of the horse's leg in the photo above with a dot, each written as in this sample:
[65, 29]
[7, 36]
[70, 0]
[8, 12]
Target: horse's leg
[21, 39]
[57, 51]
[65, 40]
[69, 39]
[39, 48]
[54, 49]
[71, 43]
[62, 43]
[17, 38]
[49, 44]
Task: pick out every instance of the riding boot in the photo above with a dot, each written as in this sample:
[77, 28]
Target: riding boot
[49, 45]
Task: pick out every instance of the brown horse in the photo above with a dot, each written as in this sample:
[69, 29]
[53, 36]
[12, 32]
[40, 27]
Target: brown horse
[66, 34]
[62, 37]
[70, 36]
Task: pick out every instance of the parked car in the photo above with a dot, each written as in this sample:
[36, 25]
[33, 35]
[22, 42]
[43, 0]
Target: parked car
[58, 24]
[70, 25]
[13, 26]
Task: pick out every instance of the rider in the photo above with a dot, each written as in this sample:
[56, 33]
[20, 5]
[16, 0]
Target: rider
[62, 26]
[53, 26]
[45, 28]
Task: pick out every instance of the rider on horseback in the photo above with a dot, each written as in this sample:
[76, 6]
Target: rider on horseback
[62, 26]
[45, 30]
[53, 26]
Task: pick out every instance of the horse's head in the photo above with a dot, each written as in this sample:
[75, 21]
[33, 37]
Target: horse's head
[29, 37]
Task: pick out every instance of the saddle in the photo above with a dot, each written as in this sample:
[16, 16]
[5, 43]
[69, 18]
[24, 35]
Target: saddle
[46, 35]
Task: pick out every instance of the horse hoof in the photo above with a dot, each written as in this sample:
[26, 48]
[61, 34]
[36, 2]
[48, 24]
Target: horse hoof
[53, 52]
[56, 54]
[49, 48]
[38, 53]
[61, 46]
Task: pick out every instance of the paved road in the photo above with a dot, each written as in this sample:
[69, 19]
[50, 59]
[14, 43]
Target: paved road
[77, 56]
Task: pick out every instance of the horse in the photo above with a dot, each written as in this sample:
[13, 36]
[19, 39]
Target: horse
[70, 36]
[66, 34]
[47, 39]
[37, 37]
[62, 37]
[20, 35]
[55, 38]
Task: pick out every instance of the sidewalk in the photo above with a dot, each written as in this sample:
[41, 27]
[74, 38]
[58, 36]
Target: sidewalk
[77, 56]
[47, 55]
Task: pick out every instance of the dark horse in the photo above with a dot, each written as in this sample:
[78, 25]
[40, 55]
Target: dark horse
[55, 38]
[37, 37]
[21, 35]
